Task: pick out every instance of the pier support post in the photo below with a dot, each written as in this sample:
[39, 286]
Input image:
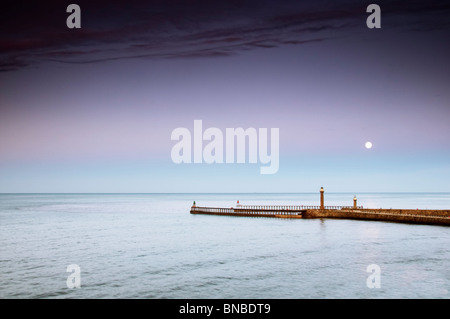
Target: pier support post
[354, 202]
[322, 205]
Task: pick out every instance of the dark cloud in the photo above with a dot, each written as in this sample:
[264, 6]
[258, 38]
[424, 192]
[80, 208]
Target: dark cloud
[35, 31]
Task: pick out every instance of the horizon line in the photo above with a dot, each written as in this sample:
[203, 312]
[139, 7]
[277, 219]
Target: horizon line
[223, 193]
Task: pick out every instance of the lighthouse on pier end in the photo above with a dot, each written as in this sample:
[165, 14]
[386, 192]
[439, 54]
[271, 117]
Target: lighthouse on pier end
[322, 205]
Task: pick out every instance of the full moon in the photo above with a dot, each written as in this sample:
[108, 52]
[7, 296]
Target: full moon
[368, 145]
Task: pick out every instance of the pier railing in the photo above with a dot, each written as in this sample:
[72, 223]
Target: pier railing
[291, 207]
[212, 209]
[254, 211]
[263, 209]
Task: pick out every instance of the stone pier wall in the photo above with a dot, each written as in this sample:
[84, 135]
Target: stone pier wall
[430, 217]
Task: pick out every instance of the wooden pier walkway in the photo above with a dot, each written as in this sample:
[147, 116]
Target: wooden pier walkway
[280, 211]
[253, 211]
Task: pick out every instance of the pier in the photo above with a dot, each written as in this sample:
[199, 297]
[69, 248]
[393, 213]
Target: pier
[253, 211]
[417, 216]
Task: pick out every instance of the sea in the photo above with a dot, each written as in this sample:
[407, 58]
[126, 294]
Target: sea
[136, 246]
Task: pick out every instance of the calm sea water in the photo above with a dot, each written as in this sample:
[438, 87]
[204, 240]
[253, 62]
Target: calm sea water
[149, 246]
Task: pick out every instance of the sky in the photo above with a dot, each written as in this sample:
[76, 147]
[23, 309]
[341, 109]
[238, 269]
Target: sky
[92, 109]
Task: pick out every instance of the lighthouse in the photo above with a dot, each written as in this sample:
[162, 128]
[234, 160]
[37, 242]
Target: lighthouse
[322, 206]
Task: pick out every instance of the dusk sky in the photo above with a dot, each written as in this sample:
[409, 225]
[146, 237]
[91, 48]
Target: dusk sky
[92, 109]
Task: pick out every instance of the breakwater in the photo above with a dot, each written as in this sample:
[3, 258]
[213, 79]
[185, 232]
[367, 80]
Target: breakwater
[426, 217]
[412, 216]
